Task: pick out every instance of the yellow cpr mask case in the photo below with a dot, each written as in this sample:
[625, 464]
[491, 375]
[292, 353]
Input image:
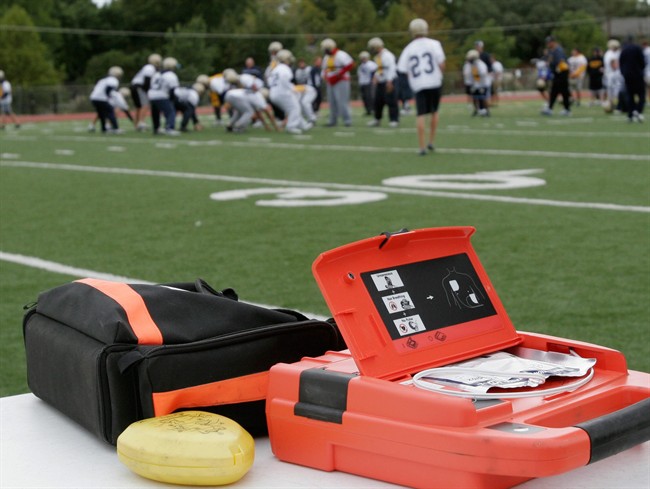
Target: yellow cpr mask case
[190, 447]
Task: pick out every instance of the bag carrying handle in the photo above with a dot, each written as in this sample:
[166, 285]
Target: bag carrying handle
[246, 388]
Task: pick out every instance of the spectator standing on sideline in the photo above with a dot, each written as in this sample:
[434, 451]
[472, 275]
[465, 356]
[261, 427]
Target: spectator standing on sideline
[557, 64]
[161, 96]
[423, 60]
[365, 71]
[251, 68]
[384, 81]
[140, 85]
[101, 95]
[577, 70]
[336, 72]
[632, 64]
[595, 70]
[6, 98]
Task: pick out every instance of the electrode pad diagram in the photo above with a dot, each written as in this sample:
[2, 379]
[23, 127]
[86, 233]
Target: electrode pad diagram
[429, 295]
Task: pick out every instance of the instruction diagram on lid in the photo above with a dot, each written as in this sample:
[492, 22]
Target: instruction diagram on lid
[429, 295]
[398, 302]
[409, 325]
[387, 280]
[462, 291]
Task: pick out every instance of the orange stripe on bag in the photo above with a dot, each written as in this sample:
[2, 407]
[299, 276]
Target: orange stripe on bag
[142, 324]
[247, 388]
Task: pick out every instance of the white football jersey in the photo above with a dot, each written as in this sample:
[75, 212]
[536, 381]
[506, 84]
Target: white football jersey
[147, 71]
[365, 71]
[280, 80]
[218, 85]
[334, 63]
[187, 95]
[162, 85]
[5, 92]
[250, 82]
[386, 67]
[103, 88]
[421, 60]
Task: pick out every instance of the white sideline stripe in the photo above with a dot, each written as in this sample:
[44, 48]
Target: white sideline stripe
[366, 149]
[339, 186]
[50, 266]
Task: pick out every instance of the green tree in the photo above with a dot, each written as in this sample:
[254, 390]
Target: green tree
[496, 43]
[73, 50]
[194, 54]
[353, 18]
[583, 35]
[24, 57]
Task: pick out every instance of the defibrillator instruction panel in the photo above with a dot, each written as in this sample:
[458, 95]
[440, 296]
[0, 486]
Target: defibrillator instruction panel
[428, 295]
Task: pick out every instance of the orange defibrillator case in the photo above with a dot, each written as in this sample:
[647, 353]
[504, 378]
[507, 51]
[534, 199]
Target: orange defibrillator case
[414, 300]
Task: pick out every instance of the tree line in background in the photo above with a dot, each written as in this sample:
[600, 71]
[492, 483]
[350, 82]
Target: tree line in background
[47, 42]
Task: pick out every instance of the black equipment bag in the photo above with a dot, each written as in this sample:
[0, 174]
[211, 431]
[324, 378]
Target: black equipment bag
[107, 353]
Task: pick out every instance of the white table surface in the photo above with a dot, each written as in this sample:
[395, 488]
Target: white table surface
[41, 448]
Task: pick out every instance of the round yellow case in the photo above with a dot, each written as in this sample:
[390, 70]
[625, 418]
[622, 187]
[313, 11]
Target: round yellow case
[188, 447]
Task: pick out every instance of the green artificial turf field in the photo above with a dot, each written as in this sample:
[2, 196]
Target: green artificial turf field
[561, 207]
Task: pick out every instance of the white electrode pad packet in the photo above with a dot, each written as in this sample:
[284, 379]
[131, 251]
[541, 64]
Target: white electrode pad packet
[521, 367]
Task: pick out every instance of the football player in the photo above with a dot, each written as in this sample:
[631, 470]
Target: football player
[365, 71]
[475, 76]
[282, 93]
[423, 60]
[161, 96]
[384, 81]
[612, 77]
[5, 102]
[577, 71]
[186, 100]
[140, 84]
[100, 97]
[336, 72]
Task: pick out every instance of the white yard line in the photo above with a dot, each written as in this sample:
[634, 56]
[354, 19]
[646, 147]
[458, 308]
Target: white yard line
[251, 142]
[338, 186]
[54, 267]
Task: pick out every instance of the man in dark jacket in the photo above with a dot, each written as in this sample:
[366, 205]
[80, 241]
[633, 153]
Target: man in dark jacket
[632, 64]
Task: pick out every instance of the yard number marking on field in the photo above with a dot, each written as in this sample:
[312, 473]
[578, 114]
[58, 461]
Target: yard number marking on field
[330, 185]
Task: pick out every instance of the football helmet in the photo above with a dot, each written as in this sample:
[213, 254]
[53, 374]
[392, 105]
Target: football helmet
[169, 63]
[418, 27]
[115, 71]
[155, 59]
[284, 56]
[203, 80]
[199, 88]
[471, 55]
[327, 45]
[375, 44]
[274, 47]
[230, 75]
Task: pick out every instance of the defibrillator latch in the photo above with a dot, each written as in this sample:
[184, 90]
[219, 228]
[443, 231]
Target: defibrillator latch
[388, 235]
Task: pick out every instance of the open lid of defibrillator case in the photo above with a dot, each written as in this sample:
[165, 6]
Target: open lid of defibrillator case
[412, 300]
